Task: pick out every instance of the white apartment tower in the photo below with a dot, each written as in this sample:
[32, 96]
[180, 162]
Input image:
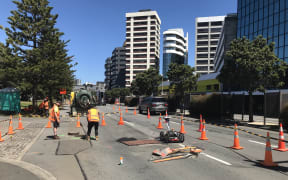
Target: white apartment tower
[142, 43]
[207, 34]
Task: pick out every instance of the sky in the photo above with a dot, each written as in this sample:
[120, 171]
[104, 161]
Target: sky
[96, 27]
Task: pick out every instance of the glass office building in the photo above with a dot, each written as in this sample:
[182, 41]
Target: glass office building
[265, 17]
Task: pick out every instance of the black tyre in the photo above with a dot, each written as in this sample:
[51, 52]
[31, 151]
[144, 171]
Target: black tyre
[181, 137]
[166, 138]
[161, 136]
[140, 111]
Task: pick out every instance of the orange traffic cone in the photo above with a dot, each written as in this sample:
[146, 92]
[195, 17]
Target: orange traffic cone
[10, 129]
[166, 115]
[119, 108]
[49, 124]
[78, 121]
[1, 140]
[159, 124]
[103, 120]
[113, 108]
[20, 126]
[148, 114]
[135, 111]
[121, 122]
[281, 143]
[126, 109]
[182, 126]
[200, 125]
[236, 139]
[203, 134]
[268, 154]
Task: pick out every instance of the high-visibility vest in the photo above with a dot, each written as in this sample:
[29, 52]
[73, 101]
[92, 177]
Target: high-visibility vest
[52, 114]
[93, 115]
[46, 105]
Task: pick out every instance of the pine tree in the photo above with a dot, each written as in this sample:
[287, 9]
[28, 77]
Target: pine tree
[45, 65]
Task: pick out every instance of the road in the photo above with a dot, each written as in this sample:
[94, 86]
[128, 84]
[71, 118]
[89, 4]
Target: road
[75, 158]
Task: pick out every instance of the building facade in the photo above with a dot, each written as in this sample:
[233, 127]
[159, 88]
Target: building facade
[142, 43]
[207, 34]
[268, 18]
[118, 67]
[175, 48]
[228, 34]
[107, 80]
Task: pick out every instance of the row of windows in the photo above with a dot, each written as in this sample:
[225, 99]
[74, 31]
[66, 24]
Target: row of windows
[174, 36]
[205, 49]
[205, 55]
[204, 61]
[212, 30]
[205, 43]
[212, 36]
[214, 23]
[204, 68]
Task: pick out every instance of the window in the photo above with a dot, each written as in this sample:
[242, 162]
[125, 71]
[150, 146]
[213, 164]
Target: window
[202, 24]
[140, 18]
[213, 49]
[202, 43]
[202, 30]
[213, 42]
[202, 55]
[202, 68]
[202, 37]
[202, 49]
[216, 23]
[214, 36]
[202, 61]
[215, 30]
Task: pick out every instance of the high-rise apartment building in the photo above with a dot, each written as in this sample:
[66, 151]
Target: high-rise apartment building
[108, 81]
[142, 43]
[268, 18]
[207, 34]
[118, 67]
[175, 48]
[228, 34]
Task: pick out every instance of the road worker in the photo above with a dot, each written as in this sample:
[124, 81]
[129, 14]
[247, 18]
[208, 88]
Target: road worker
[93, 117]
[55, 118]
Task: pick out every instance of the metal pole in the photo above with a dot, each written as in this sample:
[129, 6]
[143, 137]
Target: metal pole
[265, 102]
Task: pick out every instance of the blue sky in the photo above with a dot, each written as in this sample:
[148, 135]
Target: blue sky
[96, 27]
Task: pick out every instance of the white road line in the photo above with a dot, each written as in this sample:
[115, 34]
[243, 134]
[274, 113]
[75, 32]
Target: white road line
[131, 124]
[219, 160]
[261, 143]
[174, 122]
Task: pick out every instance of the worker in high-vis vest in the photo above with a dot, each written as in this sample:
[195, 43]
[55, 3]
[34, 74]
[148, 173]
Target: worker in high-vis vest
[93, 117]
[55, 118]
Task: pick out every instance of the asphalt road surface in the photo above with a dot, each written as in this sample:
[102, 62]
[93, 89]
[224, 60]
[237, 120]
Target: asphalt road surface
[75, 158]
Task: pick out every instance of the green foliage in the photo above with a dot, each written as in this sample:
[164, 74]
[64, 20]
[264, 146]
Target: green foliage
[146, 82]
[202, 85]
[41, 63]
[117, 92]
[182, 78]
[252, 65]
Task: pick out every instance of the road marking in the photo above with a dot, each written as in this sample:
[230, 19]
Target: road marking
[219, 160]
[261, 143]
[174, 122]
[131, 124]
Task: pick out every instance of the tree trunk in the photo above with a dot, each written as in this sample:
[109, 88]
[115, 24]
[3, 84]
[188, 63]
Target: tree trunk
[34, 99]
[250, 106]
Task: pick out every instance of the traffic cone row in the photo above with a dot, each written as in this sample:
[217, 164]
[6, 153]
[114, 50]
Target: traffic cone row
[121, 122]
[159, 123]
[103, 120]
[78, 121]
[203, 133]
[10, 129]
[268, 161]
[200, 124]
[281, 143]
[20, 125]
[236, 139]
[182, 126]
[148, 114]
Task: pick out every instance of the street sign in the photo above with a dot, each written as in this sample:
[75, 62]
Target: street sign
[62, 91]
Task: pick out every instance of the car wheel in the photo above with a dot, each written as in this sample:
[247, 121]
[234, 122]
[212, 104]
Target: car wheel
[140, 111]
[166, 138]
[181, 137]
[161, 136]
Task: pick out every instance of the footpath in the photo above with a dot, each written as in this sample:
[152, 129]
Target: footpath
[32, 153]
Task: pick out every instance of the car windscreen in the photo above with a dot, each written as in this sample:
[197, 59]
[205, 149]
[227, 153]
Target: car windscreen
[158, 100]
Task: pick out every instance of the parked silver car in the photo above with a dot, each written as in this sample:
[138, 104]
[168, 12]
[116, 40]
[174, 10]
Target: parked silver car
[155, 105]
